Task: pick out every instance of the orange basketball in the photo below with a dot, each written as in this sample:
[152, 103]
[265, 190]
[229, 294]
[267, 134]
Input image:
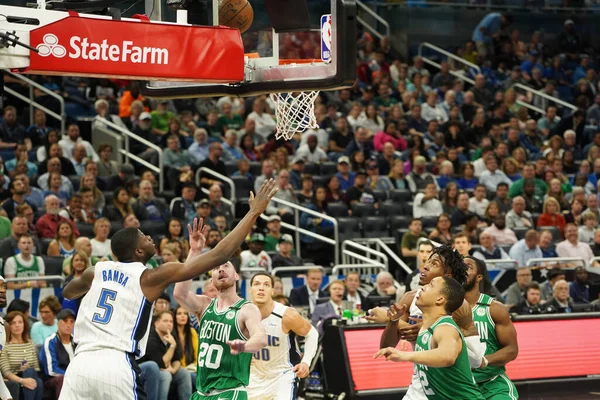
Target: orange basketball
[236, 14]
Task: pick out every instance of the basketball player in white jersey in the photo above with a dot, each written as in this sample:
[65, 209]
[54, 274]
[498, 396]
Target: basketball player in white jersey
[4, 393]
[276, 367]
[111, 329]
[404, 320]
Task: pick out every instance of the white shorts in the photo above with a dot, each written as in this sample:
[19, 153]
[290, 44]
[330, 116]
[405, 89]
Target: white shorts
[415, 390]
[282, 387]
[102, 375]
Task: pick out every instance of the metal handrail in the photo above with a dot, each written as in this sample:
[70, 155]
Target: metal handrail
[35, 278]
[297, 209]
[359, 267]
[33, 84]
[381, 245]
[544, 95]
[379, 19]
[224, 200]
[277, 270]
[503, 261]
[127, 134]
[533, 108]
[349, 243]
[555, 260]
[220, 176]
[449, 55]
[489, 5]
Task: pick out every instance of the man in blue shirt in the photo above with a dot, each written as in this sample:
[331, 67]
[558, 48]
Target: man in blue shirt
[57, 351]
[488, 28]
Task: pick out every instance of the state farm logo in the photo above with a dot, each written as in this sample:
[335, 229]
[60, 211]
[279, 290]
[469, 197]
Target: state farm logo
[51, 46]
[81, 48]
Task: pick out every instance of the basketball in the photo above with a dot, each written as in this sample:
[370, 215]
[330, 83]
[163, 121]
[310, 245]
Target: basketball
[236, 14]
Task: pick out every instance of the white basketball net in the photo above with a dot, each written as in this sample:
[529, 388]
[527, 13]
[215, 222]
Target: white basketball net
[295, 113]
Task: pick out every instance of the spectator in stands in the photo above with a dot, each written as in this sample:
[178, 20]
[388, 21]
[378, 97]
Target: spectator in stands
[517, 217]
[217, 206]
[344, 175]
[73, 138]
[488, 249]
[340, 138]
[503, 234]
[545, 244]
[49, 307]
[175, 234]
[533, 203]
[84, 245]
[47, 225]
[531, 303]
[361, 143]
[88, 181]
[459, 216]
[199, 149]
[571, 246]
[493, 176]
[231, 151]
[384, 286]
[125, 174]
[184, 209]
[286, 192]
[5, 231]
[203, 211]
[32, 194]
[63, 244]
[87, 204]
[37, 132]
[441, 233]
[101, 242]
[307, 295]
[552, 216]
[74, 266]
[592, 205]
[11, 132]
[285, 258]
[352, 282]
[187, 341]
[264, 122]
[17, 190]
[53, 166]
[256, 256]
[310, 152]
[306, 189]
[485, 32]
[24, 264]
[9, 246]
[162, 349]
[427, 204]
[516, 291]
[419, 177]
[55, 188]
[527, 248]
[389, 135]
[222, 225]
[57, 352]
[375, 181]
[462, 244]
[360, 193]
[149, 207]
[408, 246]
[554, 275]
[334, 192]
[79, 159]
[214, 163]
[120, 207]
[21, 156]
[177, 160]
[478, 203]
[579, 289]
[74, 210]
[107, 167]
[330, 309]
[19, 360]
[274, 234]
[560, 302]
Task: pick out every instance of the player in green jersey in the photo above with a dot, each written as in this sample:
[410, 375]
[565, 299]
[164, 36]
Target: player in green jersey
[496, 331]
[440, 352]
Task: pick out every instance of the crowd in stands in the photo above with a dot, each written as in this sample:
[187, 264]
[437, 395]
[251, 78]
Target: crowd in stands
[408, 152]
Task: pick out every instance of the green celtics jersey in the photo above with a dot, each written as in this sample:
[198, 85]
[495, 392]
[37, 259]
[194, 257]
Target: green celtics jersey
[487, 334]
[25, 272]
[218, 369]
[455, 382]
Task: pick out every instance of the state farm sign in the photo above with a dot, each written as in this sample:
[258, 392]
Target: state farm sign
[137, 50]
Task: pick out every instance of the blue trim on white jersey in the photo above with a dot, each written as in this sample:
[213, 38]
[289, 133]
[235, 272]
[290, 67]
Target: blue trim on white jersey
[135, 395]
[135, 327]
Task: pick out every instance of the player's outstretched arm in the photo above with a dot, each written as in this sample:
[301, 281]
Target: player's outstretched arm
[293, 321]
[158, 279]
[79, 286]
[448, 348]
[506, 334]
[399, 329]
[249, 317]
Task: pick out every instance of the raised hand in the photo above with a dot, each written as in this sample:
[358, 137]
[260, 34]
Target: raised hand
[378, 315]
[259, 203]
[198, 233]
[391, 354]
[236, 346]
[301, 370]
[395, 312]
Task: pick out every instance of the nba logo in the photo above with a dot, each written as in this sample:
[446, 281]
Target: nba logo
[326, 38]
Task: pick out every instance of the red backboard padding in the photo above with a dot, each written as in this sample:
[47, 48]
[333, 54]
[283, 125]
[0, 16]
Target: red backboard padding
[547, 349]
[137, 50]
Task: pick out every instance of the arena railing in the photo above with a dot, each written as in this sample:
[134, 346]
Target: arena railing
[301, 231]
[221, 177]
[556, 260]
[382, 247]
[374, 15]
[62, 118]
[548, 5]
[546, 96]
[372, 268]
[451, 56]
[298, 268]
[100, 124]
[351, 257]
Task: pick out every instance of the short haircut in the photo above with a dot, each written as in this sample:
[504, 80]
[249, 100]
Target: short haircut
[353, 273]
[531, 235]
[124, 243]
[337, 282]
[480, 185]
[164, 296]
[263, 274]
[453, 263]
[425, 243]
[103, 147]
[461, 235]
[501, 184]
[314, 270]
[413, 220]
[532, 285]
[454, 293]
[52, 303]
[159, 315]
[18, 305]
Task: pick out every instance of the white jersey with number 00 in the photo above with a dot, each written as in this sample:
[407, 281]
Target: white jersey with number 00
[114, 314]
[415, 390]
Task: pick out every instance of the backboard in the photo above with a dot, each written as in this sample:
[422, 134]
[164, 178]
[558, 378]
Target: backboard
[292, 45]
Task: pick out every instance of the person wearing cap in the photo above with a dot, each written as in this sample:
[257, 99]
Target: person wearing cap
[375, 181]
[311, 152]
[143, 128]
[203, 211]
[344, 175]
[360, 193]
[256, 256]
[126, 172]
[274, 235]
[285, 258]
[68, 142]
[419, 177]
[58, 351]
[554, 275]
[569, 42]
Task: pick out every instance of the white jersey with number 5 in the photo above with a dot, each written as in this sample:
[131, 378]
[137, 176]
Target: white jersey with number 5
[114, 314]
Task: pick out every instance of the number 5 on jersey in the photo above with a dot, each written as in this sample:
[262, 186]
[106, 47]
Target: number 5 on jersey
[103, 303]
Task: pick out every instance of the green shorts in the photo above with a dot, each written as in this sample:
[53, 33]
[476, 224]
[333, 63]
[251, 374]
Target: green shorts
[499, 388]
[225, 395]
